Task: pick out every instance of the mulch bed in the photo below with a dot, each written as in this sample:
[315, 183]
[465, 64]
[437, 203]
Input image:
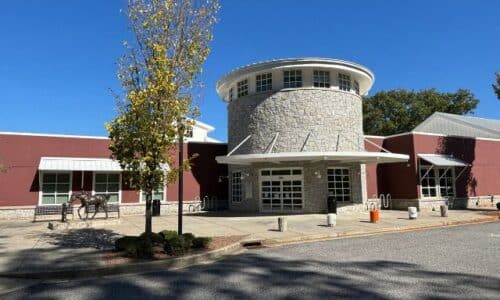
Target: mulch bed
[111, 257]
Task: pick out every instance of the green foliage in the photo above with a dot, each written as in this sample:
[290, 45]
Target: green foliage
[167, 234]
[156, 238]
[125, 242]
[158, 75]
[176, 245]
[496, 86]
[188, 238]
[201, 242]
[397, 111]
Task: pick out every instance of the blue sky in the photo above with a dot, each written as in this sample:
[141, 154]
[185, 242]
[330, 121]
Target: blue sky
[58, 57]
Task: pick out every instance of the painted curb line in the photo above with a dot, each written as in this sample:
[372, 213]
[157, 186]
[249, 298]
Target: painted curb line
[339, 235]
[133, 268]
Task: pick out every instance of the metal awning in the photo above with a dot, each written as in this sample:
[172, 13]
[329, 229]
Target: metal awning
[340, 157]
[442, 160]
[81, 164]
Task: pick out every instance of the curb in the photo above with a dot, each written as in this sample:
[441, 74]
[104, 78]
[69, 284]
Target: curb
[133, 268]
[339, 235]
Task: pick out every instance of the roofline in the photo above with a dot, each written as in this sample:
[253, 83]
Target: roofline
[54, 135]
[431, 134]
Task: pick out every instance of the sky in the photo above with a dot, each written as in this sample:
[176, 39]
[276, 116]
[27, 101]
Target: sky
[58, 58]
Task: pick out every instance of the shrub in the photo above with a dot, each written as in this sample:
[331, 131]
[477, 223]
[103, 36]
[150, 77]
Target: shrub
[167, 234]
[201, 242]
[125, 242]
[143, 249]
[188, 238]
[176, 245]
[156, 238]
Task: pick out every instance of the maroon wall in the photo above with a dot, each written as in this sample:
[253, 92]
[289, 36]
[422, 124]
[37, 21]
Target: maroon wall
[479, 180]
[371, 169]
[22, 153]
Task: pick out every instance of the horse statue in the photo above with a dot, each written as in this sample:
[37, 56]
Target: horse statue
[86, 199]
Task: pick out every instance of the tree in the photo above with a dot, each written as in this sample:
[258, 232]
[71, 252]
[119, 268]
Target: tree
[397, 111]
[496, 86]
[158, 75]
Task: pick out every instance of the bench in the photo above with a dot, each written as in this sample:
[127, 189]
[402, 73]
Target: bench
[112, 208]
[51, 210]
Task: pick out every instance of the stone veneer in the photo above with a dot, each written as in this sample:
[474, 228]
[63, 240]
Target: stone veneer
[295, 113]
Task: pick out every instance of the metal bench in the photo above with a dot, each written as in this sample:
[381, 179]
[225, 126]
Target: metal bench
[112, 208]
[51, 210]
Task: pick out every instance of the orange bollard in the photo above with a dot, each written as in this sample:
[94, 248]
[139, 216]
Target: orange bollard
[374, 216]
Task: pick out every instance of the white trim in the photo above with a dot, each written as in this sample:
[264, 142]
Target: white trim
[119, 183]
[431, 134]
[54, 135]
[437, 185]
[141, 198]
[40, 185]
[350, 182]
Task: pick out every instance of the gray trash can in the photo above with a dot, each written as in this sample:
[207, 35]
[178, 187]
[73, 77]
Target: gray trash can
[156, 207]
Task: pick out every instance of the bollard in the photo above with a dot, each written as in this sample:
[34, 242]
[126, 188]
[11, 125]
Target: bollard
[444, 210]
[412, 212]
[282, 224]
[63, 212]
[374, 214]
[331, 220]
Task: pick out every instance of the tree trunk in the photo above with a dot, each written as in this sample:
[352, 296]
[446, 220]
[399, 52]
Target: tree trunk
[181, 181]
[149, 225]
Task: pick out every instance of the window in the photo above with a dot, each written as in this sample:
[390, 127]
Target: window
[55, 188]
[158, 194]
[339, 184]
[231, 94]
[437, 181]
[292, 79]
[236, 187]
[356, 86]
[344, 82]
[264, 82]
[321, 79]
[243, 88]
[108, 184]
[189, 132]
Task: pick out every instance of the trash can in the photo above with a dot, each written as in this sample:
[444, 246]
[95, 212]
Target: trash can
[156, 208]
[332, 205]
[412, 213]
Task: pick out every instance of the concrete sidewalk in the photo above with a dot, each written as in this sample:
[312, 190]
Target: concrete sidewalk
[32, 247]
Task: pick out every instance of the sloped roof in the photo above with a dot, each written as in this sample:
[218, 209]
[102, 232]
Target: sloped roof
[450, 124]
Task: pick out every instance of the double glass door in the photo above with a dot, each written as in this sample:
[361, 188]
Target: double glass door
[281, 190]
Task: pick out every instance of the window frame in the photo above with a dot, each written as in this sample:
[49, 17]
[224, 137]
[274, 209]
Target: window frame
[342, 195]
[344, 82]
[142, 196]
[265, 83]
[238, 184]
[437, 185]
[40, 184]
[355, 85]
[242, 88]
[107, 183]
[321, 79]
[296, 83]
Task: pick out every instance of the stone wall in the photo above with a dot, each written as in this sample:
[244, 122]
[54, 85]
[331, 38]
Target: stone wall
[294, 114]
[315, 188]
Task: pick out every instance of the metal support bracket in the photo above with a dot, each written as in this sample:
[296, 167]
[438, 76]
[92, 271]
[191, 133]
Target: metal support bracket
[239, 145]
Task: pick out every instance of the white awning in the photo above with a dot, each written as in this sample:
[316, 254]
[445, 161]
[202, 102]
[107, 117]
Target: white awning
[81, 164]
[340, 157]
[441, 160]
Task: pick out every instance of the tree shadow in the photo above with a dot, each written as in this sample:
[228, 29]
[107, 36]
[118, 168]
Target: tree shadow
[253, 275]
[83, 238]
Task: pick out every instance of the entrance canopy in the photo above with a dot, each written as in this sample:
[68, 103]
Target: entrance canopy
[442, 160]
[340, 157]
[81, 164]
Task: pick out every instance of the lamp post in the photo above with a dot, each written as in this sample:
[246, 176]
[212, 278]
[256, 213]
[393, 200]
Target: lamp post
[180, 189]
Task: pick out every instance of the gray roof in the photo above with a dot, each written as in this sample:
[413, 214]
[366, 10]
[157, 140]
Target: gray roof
[457, 125]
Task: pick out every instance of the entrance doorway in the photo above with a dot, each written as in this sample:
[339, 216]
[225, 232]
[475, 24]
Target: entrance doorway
[281, 190]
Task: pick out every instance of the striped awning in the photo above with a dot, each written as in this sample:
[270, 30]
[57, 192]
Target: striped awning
[81, 164]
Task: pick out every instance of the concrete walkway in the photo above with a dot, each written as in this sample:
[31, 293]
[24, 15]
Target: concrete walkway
[30, 247]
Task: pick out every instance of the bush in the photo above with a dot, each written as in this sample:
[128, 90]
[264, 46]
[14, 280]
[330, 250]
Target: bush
[156, 238]
[143, 249]
[125, 242]
[176, 245]
[167, 234]
[201, 242]
[188, 238]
